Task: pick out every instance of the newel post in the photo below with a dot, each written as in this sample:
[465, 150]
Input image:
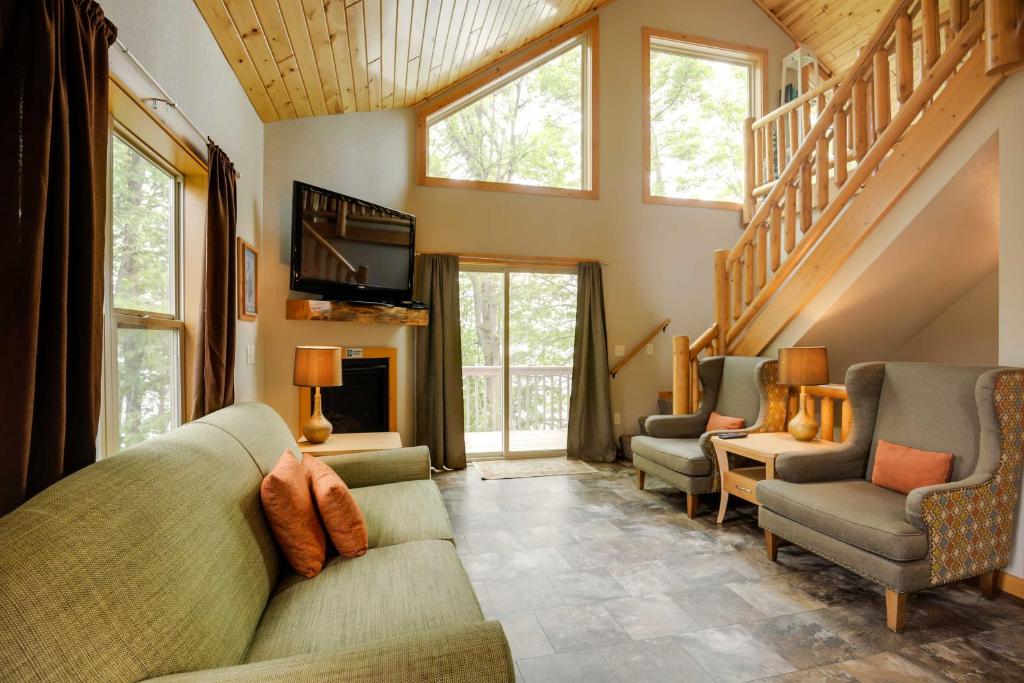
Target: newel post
[722, 298]
[680, 375]
[1004, 35]
[748, 175]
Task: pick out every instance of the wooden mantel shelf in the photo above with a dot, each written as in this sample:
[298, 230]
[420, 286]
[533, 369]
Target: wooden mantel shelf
[308, 309]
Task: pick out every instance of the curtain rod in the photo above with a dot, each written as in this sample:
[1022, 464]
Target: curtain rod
[514, 260]
[166, 96]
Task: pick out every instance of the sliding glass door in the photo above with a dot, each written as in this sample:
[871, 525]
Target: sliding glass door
[517, 352]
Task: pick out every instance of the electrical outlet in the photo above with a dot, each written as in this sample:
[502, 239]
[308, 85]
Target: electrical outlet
[250, 354]
[620, 350]
[650, 349]
[618, 418]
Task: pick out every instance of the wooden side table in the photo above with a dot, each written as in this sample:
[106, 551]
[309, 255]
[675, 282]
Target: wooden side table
[355, 442]
[762, 448]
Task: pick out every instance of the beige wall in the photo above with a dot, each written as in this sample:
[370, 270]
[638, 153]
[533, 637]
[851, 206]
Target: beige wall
[966, 333]
[172, 41]
[659, 258]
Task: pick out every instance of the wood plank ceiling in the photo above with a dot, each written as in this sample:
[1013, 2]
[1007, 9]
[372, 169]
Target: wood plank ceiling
[835, 29]
[298, 58]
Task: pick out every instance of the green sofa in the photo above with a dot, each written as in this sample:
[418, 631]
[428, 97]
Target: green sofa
[158, 563]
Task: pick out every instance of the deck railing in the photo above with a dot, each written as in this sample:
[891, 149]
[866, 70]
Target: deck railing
[538, 397]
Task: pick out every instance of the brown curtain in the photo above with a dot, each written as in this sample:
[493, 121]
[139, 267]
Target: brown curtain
[439, 418]
[215, 355]
[591, 436]
[53, 176]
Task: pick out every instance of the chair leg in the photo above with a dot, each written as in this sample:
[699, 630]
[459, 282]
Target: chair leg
[691, 505]
[641, 477]
[895, 610]
[771, 545]
[988, 584]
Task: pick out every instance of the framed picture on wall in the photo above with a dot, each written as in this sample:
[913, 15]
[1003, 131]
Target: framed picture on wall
[248, 281]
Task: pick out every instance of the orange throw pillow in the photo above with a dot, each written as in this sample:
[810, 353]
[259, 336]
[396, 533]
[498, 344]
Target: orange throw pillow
[903, 469]
[718, 422]
[338, 509]
[288, 505]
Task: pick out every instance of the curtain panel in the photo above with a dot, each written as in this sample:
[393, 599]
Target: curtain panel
[591, 436]
[215, 356]
[439, 418]
[53, 171]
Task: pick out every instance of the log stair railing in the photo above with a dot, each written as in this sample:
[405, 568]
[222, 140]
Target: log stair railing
[809, 160]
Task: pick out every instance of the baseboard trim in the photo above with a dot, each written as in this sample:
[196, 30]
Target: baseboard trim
[1008, 583]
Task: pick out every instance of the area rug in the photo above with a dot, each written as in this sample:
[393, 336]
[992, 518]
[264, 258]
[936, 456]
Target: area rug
[530, 467]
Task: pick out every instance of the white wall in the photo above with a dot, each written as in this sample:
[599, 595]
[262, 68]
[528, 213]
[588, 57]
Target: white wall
[659, 257]
[172, 41]
[966, 333]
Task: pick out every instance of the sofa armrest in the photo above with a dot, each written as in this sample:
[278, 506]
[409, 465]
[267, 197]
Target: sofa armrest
[953, 492]
[381, 467]
[829, 463]
[676, 426]
[475, 652]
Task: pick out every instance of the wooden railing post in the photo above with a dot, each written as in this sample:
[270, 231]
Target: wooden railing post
[880, 99]
[1004, 36]
[722, 297]
[905, 57]
[748, 176]
[681, 375]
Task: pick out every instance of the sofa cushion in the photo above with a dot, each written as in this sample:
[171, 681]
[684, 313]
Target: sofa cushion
[852, 510]
[679, 455]
[259, 430]
[419, 586]
[903, 469]
[402, 512]
[717, 422]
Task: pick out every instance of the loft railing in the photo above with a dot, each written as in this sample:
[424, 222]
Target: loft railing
[808, 159]
[538, 397]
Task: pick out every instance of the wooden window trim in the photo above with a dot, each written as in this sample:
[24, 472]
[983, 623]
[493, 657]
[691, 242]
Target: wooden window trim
[758, 58]
[591, 58]
[133, 121]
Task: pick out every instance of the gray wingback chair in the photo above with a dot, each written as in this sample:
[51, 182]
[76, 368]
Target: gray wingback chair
[825, 502]
[677, 448]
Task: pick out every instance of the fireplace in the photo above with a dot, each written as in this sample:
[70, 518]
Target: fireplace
[366, 401]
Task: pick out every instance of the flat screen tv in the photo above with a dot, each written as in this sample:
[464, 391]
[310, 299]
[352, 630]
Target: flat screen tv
[347, 249]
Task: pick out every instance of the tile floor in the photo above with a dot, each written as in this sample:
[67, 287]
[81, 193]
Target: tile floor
[595, 580]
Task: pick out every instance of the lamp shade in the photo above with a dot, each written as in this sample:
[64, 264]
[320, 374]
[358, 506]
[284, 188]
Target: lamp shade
[803, 365]
[317, 366]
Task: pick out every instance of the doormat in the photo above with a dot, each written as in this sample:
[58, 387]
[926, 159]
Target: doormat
[530, 467]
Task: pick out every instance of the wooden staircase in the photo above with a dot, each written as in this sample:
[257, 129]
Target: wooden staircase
[825, 169]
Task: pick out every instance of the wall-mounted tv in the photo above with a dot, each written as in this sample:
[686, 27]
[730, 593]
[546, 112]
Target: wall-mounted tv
[347, 249]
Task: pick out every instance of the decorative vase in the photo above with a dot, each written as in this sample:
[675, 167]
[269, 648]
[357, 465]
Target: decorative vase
[803, 426]
[319, 428]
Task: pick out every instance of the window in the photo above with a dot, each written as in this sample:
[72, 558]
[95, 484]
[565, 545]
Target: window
[696, 95]
[144, 332]
[529, 129]
[153, 272]
[518, 329]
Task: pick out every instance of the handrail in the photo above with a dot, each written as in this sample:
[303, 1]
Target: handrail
[872, 105]
[808, 96]
[660, 327]
[827, 395]
[328, 246]
[807, 146]
[935, 77]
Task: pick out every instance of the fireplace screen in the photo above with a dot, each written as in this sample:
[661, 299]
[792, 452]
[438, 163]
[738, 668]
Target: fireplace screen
[361, 404]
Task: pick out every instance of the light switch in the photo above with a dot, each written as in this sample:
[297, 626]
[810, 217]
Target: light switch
[618, 418]
[620, 350]
[650, 349]
[250, 354]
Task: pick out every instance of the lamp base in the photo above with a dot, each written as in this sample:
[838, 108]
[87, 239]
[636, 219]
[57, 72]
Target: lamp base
[803, 427]
[319, 428]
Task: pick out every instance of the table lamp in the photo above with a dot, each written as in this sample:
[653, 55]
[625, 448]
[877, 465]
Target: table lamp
[317, 366]
[803, 366]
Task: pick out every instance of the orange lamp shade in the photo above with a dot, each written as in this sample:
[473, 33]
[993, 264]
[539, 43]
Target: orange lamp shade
[803, 366]
[317, 366]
